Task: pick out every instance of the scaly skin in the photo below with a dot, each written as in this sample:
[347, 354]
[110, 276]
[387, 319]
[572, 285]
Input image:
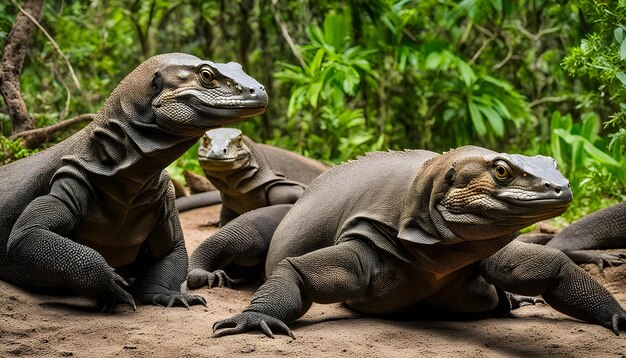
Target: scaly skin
[397, 231]
[251, 175]
[98, 208]
[601, 230]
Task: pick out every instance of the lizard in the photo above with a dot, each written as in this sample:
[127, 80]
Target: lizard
[97, 209]
[249, 175]
[400, 230]
[601, 230]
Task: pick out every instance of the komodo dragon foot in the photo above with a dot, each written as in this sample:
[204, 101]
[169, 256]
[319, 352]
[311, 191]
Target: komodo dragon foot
[197, 278]
[518, 301]
[601, 259]
[510, 301]
[248, 321]
[174, 298]
[114, 294]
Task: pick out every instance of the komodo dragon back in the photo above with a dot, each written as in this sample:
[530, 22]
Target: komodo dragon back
[291, 165]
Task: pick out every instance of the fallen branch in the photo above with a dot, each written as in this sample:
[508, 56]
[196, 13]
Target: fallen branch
[35, 137]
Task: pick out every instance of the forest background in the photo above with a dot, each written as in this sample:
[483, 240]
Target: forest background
[348, 77]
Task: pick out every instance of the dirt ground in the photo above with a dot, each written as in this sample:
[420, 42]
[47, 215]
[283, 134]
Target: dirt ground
[52, 326]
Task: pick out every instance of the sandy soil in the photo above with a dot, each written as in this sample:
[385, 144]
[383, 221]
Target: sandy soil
[52, 326]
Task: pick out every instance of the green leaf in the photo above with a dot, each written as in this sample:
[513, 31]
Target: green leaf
[594, 152]
[591, 126]
[622, 77]
[622, 50]
[619, 35]
[316, 63]
[314, 93]
[433, 61]
[466, 72]
[495, 120]
[477, 118]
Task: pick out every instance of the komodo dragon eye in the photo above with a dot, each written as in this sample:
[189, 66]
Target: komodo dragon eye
[502, 172]
[207, 76]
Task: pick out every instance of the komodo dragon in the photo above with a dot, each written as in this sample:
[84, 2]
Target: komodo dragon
[601, 230]
[396, 231]
[249, 175]
[100, 201]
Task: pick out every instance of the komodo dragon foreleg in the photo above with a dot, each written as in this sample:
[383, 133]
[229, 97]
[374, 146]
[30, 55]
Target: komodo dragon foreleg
[332, 274]
[242, 241]
[43, 256]
[160, 282]
[537, 270]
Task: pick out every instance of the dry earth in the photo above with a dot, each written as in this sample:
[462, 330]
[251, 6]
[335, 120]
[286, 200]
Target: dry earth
[52, 326]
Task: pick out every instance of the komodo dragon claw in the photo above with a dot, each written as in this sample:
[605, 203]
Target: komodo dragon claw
[248, 321]
[518, 301]
[602, 259]
[197, 278]
[184, 299]
[115, 294]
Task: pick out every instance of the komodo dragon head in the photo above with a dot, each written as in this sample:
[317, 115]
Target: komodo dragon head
[477, 194]
[223, 149]
[184, 95]
[161, 108]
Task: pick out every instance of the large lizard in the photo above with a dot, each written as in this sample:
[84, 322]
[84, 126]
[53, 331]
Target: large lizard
[249, 175]
[398, 231]
[100, 201]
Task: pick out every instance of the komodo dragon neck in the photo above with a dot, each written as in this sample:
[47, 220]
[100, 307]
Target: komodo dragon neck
[472, 194]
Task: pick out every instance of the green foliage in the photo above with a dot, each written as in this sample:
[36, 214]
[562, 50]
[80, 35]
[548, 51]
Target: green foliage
[467, 96]
[12, 150]
[323, 92]
[598, 178]
[601, 57]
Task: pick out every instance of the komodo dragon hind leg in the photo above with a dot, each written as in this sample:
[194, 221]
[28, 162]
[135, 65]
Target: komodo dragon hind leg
[243, 241]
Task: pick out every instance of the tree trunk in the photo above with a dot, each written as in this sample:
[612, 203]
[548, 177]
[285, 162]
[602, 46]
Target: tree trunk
[13, 56]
